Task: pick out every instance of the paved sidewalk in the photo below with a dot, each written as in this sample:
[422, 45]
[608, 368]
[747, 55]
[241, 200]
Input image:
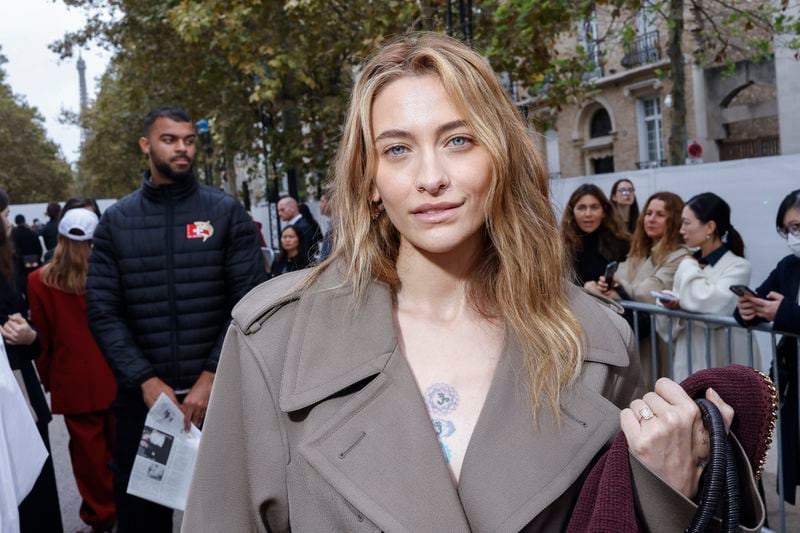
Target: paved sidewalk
[68, 495]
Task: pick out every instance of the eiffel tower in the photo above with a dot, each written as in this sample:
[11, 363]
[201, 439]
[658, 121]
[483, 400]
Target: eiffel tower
[84, 95]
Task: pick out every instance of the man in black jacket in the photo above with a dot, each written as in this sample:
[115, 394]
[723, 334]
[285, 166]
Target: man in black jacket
[169, 262]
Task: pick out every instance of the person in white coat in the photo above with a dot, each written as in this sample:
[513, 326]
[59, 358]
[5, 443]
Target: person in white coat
[702, 285]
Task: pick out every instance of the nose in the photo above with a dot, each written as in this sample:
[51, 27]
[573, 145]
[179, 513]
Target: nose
[431, 175]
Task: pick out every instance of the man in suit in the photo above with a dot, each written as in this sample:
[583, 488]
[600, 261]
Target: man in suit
[289, 213]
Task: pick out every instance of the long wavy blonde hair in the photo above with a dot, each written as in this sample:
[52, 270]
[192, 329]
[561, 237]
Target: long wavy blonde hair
[521, 276]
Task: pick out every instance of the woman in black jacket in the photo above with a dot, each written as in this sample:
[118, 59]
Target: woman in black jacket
[293, 255]
[593, 233]
[39, 511]
[778, 301]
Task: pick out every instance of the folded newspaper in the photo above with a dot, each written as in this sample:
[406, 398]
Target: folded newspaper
[162, 470]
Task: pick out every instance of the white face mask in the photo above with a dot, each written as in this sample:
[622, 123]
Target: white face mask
[794, 244]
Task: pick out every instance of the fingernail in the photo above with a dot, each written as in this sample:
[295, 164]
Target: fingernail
[714, 393]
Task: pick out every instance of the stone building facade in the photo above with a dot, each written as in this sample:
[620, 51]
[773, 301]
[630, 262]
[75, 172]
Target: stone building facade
[624, 122]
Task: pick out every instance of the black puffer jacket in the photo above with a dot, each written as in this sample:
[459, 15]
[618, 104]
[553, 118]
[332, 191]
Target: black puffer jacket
[168, 265]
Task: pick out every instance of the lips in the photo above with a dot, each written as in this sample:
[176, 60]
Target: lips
[435, 213]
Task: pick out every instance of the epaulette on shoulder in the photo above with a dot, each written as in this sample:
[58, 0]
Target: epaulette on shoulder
[264, 300]
[607, 302]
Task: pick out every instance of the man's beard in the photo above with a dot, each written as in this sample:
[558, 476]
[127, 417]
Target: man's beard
[178, 177]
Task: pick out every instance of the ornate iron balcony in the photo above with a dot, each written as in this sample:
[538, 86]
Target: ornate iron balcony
[642, 51]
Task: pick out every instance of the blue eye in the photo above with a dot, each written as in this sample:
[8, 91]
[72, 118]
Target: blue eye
[396, 150]
[459, 141]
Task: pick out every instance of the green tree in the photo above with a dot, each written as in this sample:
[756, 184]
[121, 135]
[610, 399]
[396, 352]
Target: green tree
[31, 167]
[522, 37]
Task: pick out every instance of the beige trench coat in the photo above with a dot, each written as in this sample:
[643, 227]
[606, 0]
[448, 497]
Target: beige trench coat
[316, 425]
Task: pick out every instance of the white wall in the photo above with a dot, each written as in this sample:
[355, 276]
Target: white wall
[754, 188]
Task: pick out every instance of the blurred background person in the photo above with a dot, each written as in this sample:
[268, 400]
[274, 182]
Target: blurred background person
[72, 203]
[702, 285]
[777, 300]
[50, 230]
[27, 248]
[656, 251]
[623, 198]
[312, 243]
[325, 210]
[292, 254]
[72, 367]
[39, 511]
[593, 233]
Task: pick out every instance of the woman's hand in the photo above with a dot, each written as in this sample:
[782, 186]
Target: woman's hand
[17, 331]
[670, 304]
[747, 307]
[767, 309]
[665, 431]
[601, 287]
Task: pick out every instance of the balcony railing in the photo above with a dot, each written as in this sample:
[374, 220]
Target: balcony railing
[761, 147]
[651, 164]
[642, 51]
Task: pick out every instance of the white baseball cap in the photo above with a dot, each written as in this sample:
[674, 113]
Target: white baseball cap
[78, 224]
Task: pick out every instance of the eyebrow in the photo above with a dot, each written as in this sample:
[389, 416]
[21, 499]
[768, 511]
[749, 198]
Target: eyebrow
[403, 134]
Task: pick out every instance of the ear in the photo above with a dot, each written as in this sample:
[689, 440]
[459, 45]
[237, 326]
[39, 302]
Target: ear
[712, 226]
[374, 195]
[144, 144]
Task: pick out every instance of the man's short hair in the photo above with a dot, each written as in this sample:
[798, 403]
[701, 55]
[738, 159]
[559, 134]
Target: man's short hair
[53, 210]
[19, 219]
[171, 112]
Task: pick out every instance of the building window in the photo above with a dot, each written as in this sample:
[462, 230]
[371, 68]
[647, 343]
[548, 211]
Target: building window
[600, 125]
[651, 136]
[588, 37]
[553, 157]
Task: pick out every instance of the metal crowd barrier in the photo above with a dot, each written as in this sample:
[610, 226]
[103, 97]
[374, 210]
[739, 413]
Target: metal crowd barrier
[730, 324]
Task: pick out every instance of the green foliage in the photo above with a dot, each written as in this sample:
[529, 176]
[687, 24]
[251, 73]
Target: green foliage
[273, 76]
[31, 167]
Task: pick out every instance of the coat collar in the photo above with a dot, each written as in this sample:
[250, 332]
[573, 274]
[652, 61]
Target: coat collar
[379, 451]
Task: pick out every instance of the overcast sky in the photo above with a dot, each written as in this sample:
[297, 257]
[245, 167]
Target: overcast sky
[34, 72]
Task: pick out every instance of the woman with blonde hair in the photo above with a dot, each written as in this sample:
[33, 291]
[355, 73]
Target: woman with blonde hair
[656, 251]
[438, 372]
[71, 365]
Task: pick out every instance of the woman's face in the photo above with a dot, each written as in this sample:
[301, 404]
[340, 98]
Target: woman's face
[588, 212]
[290, 241]
[792, 218]
[625, 194]
[432, 175]
[693, 231]
[655, 219]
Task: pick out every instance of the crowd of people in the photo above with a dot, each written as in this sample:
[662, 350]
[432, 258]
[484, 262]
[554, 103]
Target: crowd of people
[422, 328]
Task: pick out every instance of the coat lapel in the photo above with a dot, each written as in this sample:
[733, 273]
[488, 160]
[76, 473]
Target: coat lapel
[379, 450]
[514, 467]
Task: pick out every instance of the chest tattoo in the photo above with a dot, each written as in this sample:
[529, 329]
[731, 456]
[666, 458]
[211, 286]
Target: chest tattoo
[441, 400]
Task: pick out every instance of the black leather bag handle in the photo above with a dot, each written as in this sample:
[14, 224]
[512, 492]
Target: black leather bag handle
[720, 482]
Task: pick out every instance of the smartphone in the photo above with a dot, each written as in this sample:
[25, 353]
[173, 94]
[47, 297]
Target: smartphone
[664, 296]
[611, 269]
[741, 290]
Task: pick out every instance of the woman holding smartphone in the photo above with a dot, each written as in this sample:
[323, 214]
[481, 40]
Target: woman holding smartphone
[438, 372]
[656, 251]
[702, 285]
[777, 300]
[593, 233]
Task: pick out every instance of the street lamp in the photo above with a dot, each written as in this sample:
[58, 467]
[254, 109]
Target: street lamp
[204, 131]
